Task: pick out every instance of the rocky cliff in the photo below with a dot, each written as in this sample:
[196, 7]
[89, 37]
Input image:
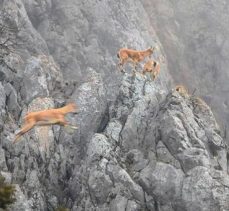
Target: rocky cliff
[194, 36]
[139, 145]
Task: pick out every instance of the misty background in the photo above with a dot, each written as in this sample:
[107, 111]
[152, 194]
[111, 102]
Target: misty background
[140, 145]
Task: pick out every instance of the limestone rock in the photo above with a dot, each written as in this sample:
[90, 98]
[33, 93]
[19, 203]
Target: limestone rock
[139, 145]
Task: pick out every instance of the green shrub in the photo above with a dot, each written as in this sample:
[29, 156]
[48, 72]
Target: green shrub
[61, 208]
[7, 193]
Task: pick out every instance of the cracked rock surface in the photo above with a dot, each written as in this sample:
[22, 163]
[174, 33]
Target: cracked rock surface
[194, 36]
[139, 144]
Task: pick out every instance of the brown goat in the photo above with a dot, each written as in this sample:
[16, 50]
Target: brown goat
[200, 104]
[128, 55]
[47, 117]
[182, 90]
[152, 67]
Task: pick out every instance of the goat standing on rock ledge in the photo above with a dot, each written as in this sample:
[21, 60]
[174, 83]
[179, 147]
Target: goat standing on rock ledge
[152, 67]
[128, 55]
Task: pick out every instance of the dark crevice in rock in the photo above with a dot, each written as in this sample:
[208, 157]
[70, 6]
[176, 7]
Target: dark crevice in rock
[104, 121]
[156, 207]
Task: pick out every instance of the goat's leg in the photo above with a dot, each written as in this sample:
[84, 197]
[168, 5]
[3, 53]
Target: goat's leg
[121, 65]
[63, 122]
[156, 74]
[135, 67]
[153, 76]
[71, 126]
[145, 70]
[24, 129]
[144, 73]
[66, 125]
[48, 122]
[60, 121]
[122, 70]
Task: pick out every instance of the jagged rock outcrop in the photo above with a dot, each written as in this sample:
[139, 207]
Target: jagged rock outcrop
[194, 37]
[169, 161]
[88, 34]
[139, 145]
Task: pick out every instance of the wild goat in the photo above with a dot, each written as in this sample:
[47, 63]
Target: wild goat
[47, 117]
[128, 55]
[196, 101]
[182, 90]
[152, 67]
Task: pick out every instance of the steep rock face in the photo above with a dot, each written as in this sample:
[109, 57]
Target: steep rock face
[136, 148]
[65, 52]
[86, 34]
[155, 153]
[194, 38]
